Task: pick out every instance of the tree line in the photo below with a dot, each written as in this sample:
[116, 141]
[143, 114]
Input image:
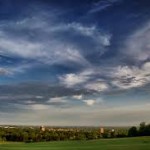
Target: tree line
[27, 134]
[142, 130]
[36, 135]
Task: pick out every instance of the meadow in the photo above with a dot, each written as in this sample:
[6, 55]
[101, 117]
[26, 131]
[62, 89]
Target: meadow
[137, 143]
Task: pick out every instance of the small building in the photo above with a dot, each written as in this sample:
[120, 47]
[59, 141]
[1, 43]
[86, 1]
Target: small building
[42, 128]
[101, 130]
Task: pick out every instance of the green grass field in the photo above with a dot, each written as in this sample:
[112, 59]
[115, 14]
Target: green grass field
[140, 143]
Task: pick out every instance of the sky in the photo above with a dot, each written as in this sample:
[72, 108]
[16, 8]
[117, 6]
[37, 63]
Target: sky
[74, 63]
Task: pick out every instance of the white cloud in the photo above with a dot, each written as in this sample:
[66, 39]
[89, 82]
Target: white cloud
[90, 102]
[73, 55]
[93, 32]
[97, 86]
[96, 100]
[146, 67]
[20, 47]
[78, 97]
[72, 79]
[102, 5]
[38, 107]
[126, 77]
[39, 97]
[57, 100]
[48, 52]
[101, 38]
[86, 79]
[46, 46]
[137, 45]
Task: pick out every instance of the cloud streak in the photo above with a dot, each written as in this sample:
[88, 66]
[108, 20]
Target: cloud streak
[102, 5]
[48, 47]
[137, 45]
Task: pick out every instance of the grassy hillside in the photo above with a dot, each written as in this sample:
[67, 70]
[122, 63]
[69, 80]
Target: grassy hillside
[140, 143]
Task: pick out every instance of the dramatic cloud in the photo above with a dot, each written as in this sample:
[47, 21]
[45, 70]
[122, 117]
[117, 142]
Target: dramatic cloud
[53, 42]
[78, 63]
[130, 77]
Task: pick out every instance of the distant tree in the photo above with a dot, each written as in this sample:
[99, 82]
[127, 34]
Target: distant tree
[142, 125]
[142, 131]
[132, 132]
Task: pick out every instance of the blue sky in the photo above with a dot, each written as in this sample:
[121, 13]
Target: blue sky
[70, 62]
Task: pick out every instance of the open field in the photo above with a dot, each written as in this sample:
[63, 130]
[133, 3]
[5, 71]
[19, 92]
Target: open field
[140, 143]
